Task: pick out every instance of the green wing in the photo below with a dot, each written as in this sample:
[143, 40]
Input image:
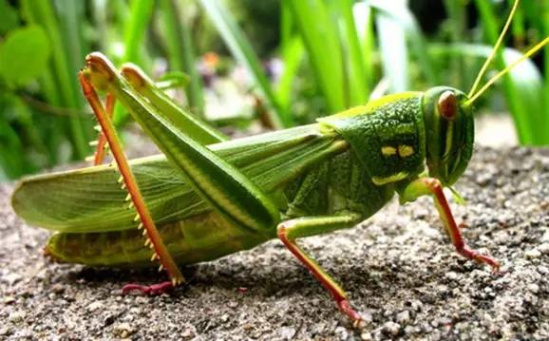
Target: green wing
[90, 199]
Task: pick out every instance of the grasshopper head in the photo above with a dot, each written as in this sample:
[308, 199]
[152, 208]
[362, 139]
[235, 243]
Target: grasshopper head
[449, 129]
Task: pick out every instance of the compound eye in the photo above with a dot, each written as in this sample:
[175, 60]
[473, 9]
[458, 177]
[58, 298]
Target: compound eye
[448, 105]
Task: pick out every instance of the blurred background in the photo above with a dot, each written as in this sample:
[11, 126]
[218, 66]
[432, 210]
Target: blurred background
[248, 66]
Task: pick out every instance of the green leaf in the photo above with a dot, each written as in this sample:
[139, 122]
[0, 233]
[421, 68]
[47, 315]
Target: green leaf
[320, 34]
[173, 79]
[8, 17]
[24, 55]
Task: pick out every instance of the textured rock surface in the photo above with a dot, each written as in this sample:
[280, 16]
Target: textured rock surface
[398, 268]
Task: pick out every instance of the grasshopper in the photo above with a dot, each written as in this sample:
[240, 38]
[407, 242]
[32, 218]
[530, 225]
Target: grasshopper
[208, 197]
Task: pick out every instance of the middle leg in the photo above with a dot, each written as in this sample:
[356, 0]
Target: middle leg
[290, 230]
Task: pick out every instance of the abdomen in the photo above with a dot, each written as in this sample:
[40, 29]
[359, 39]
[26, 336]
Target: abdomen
[196, 239]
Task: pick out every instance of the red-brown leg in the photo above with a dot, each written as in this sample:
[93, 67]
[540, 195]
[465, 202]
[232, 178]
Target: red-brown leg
[155, 289]
[100, 151]
[143, 218]
[431, 186]
[290, 230]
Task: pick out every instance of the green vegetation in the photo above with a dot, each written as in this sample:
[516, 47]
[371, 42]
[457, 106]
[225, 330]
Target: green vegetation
[335, 54]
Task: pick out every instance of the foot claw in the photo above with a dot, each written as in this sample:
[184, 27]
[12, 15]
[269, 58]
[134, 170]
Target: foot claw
[345, 307]
[480, 258]
[152, 290]
[495, 267]
[494, 264]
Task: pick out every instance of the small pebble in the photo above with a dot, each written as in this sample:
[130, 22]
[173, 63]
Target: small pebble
[58, 288]
[451, 275]
[11, 278]
[366, 336]
[543, 270]
[426, 327]
[342, 333]
[409, 330]
[403, 317]
[532, 254]
[94, 306]
[391, 328]
[17, 316]
[8, 300]
[5, 331]
[544, 248]
[136, 311]
[416, 305]
[288, 333]
[534, 288]
[187, 334]
[123, 330]
[367, 317]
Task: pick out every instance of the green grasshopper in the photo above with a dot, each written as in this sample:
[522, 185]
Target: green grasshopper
[208, 197]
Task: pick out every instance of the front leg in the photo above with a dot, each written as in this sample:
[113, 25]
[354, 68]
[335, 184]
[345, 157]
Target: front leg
[433, 187]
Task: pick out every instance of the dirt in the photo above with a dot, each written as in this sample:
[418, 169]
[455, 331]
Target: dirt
[399, 269]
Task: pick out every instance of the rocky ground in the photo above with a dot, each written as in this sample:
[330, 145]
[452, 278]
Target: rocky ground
[399, 269]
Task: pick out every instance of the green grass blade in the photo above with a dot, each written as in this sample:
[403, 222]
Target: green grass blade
[134, 33]
[11, 157]
[536, 28]
[181, 52]
[396, 23]
[292, 55]
[545, 33]
[241, 49]
[518, 29]
[136, 27]
[292, 52]
[356, 68]
[458, 72]
[42, 13]
[528, 115]
[392, 46]
[320, 36]
[364, 20]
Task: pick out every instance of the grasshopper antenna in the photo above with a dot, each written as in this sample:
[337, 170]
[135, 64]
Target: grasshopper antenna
[494, 50]
[527, 55]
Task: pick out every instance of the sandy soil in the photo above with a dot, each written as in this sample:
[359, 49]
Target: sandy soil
[399, 269]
